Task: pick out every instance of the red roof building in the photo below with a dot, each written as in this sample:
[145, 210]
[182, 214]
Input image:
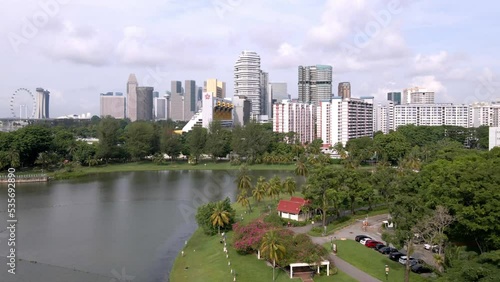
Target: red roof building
[292, 209]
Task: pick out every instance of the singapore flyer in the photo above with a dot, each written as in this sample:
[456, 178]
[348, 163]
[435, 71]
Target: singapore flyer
[23, 104]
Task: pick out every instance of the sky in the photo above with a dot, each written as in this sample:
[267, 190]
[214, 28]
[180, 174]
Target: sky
[78, 49]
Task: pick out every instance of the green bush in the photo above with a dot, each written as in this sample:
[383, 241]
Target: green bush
[274, 219]
[203, 217]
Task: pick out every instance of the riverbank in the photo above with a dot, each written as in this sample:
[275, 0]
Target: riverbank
[82, 171]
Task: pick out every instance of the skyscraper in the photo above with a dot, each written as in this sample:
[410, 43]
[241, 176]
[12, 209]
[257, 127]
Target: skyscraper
[265, 97]
[279, 91]
[394, 97]
[139, 100]
[345, 90]
[315, 83]
[215, 86]
[176, 101]
[145, 103]
[189, 99]
[42, 102]
[160, 108]
[113, 105]
[247, 79]
[132, 97]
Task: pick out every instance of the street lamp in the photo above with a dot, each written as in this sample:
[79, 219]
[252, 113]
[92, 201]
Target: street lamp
[386, 272]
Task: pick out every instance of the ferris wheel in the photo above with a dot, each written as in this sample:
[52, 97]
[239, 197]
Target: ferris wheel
[24, 103]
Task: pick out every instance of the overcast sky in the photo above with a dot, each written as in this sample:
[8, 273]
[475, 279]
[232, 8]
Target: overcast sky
[80, 48]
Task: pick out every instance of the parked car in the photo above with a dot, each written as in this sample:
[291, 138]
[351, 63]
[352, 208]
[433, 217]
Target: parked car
[372, 243]
[363, 241]
[395, 256]
[379, 246]
[359, 237]
[417, 261]
[387, 250]
[435, 249]
[429, 246]
[421, 268]
[402, 259]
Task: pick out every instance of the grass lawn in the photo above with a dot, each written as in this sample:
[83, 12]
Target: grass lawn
[348, 220]
[206, 261]
[149, 166]
[371, 262]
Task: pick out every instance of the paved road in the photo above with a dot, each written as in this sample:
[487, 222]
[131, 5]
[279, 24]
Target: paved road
[350, 232]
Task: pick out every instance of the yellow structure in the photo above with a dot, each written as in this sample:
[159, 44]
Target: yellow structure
[215, 86]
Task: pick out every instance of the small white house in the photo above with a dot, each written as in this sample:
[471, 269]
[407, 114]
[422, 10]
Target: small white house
[293, 209]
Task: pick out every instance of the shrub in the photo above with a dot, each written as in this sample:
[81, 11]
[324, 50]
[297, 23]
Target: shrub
[274, 219]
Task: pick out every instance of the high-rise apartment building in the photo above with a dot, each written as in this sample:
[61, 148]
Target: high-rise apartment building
[344, 90]
[391, 116]
[139, 100]
[247, 75]
[113, 104]
[215, 86]
[416, 95]
[294, 117]
[315, 84]
[494, 137]
[42, 103]
[395, 97]
[485, 114]
[176, 101]
[340, 120]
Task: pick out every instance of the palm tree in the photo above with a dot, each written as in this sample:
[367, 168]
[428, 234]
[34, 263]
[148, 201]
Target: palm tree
[92, 161]
[272, 248]
[275, 187]
[220, 216]
[290, 185]
[15, 159]
[259, 192]
[243, 200]
[43, 159]
[244, 180]
[301, 168]
[339, 148]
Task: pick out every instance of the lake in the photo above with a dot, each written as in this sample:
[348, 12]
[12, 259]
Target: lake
[109, 227]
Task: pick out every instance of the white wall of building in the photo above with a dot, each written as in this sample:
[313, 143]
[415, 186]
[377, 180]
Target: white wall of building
[494, 137]
[294, 117]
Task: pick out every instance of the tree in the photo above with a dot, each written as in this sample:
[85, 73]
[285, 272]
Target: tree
[272, 249]
[259, 190]
[139, 139]
[339, 148]
[243, 201]
[301, 168]
[251, 141]
[170, 143]
[218, 141]
[290, 185]
[392, 146]
[360, 149]
[275, 187]
[204, 217]
[243, 179]
[27, 143]
[43, 160]
[197, 139]
[220, 216]
[314, 147]
[108, 132]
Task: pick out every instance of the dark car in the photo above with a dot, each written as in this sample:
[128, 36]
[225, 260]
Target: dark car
[372, 243]
[387, 250]
[417, 261]
[379, 246]
[420, 268]
[361, 237]
[396, 255]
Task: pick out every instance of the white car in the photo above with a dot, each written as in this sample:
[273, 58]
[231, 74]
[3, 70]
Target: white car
[363, 241]
[402, 260]
[429, 246]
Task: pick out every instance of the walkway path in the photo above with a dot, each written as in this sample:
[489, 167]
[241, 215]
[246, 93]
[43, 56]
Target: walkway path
[349, 232]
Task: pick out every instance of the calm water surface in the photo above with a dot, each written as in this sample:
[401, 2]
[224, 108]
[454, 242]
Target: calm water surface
[108, 227]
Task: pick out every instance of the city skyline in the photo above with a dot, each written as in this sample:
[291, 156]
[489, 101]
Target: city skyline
[412, 45]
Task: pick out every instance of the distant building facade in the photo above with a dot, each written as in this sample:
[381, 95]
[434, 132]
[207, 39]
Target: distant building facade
[494, 140]
[294, 117]
[42, 103]
[344, 90]
[218, 87]
[242, 110]
[395, 97]
[113, 104]
[315, 83]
